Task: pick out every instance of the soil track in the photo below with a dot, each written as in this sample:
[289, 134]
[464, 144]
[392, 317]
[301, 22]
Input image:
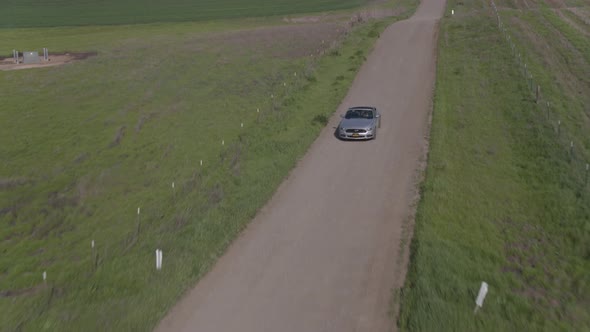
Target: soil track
[321, 255]
[55, 59]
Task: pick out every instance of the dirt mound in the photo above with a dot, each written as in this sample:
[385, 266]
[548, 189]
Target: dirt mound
[55, 59]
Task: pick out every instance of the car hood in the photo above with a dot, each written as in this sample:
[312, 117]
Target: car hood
[356, 123]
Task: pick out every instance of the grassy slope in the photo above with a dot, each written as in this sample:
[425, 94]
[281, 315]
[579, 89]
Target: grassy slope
[175, 110]
[503, 201]
[40, 13]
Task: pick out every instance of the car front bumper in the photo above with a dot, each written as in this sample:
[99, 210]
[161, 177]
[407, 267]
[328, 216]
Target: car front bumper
[356, 136]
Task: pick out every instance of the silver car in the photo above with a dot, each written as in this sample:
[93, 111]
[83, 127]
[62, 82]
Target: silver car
[359, 122]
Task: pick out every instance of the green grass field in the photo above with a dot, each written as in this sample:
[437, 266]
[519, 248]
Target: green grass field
[87, 143]
[505, 200]
[40, 13]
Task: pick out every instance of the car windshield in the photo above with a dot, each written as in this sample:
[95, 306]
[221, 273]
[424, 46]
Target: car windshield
[359, 114]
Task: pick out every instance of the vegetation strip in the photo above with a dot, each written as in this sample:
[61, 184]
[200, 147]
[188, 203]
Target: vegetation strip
[504, 201]
[39, 13]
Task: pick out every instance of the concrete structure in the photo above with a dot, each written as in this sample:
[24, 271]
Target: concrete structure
[31, 57]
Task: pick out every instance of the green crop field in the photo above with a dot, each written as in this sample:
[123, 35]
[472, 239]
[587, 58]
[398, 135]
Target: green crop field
[41, 13]
[222, 109]
[506, 198]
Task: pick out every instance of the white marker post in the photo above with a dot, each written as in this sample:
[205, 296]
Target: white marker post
[158, 259]
[452, 12]
[242, 125]
[94, 256]
[258, 110]
[222, 142]
[483, 291]
[201, 162]
[44, 276]
[138, 223]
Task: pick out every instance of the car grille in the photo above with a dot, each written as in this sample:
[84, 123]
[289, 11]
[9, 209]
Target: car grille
[356, 131]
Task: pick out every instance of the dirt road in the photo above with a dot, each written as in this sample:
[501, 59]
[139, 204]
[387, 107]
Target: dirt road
[321, 255]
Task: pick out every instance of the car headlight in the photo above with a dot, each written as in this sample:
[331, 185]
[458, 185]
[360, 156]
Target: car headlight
[370, 129]
[342, 129]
